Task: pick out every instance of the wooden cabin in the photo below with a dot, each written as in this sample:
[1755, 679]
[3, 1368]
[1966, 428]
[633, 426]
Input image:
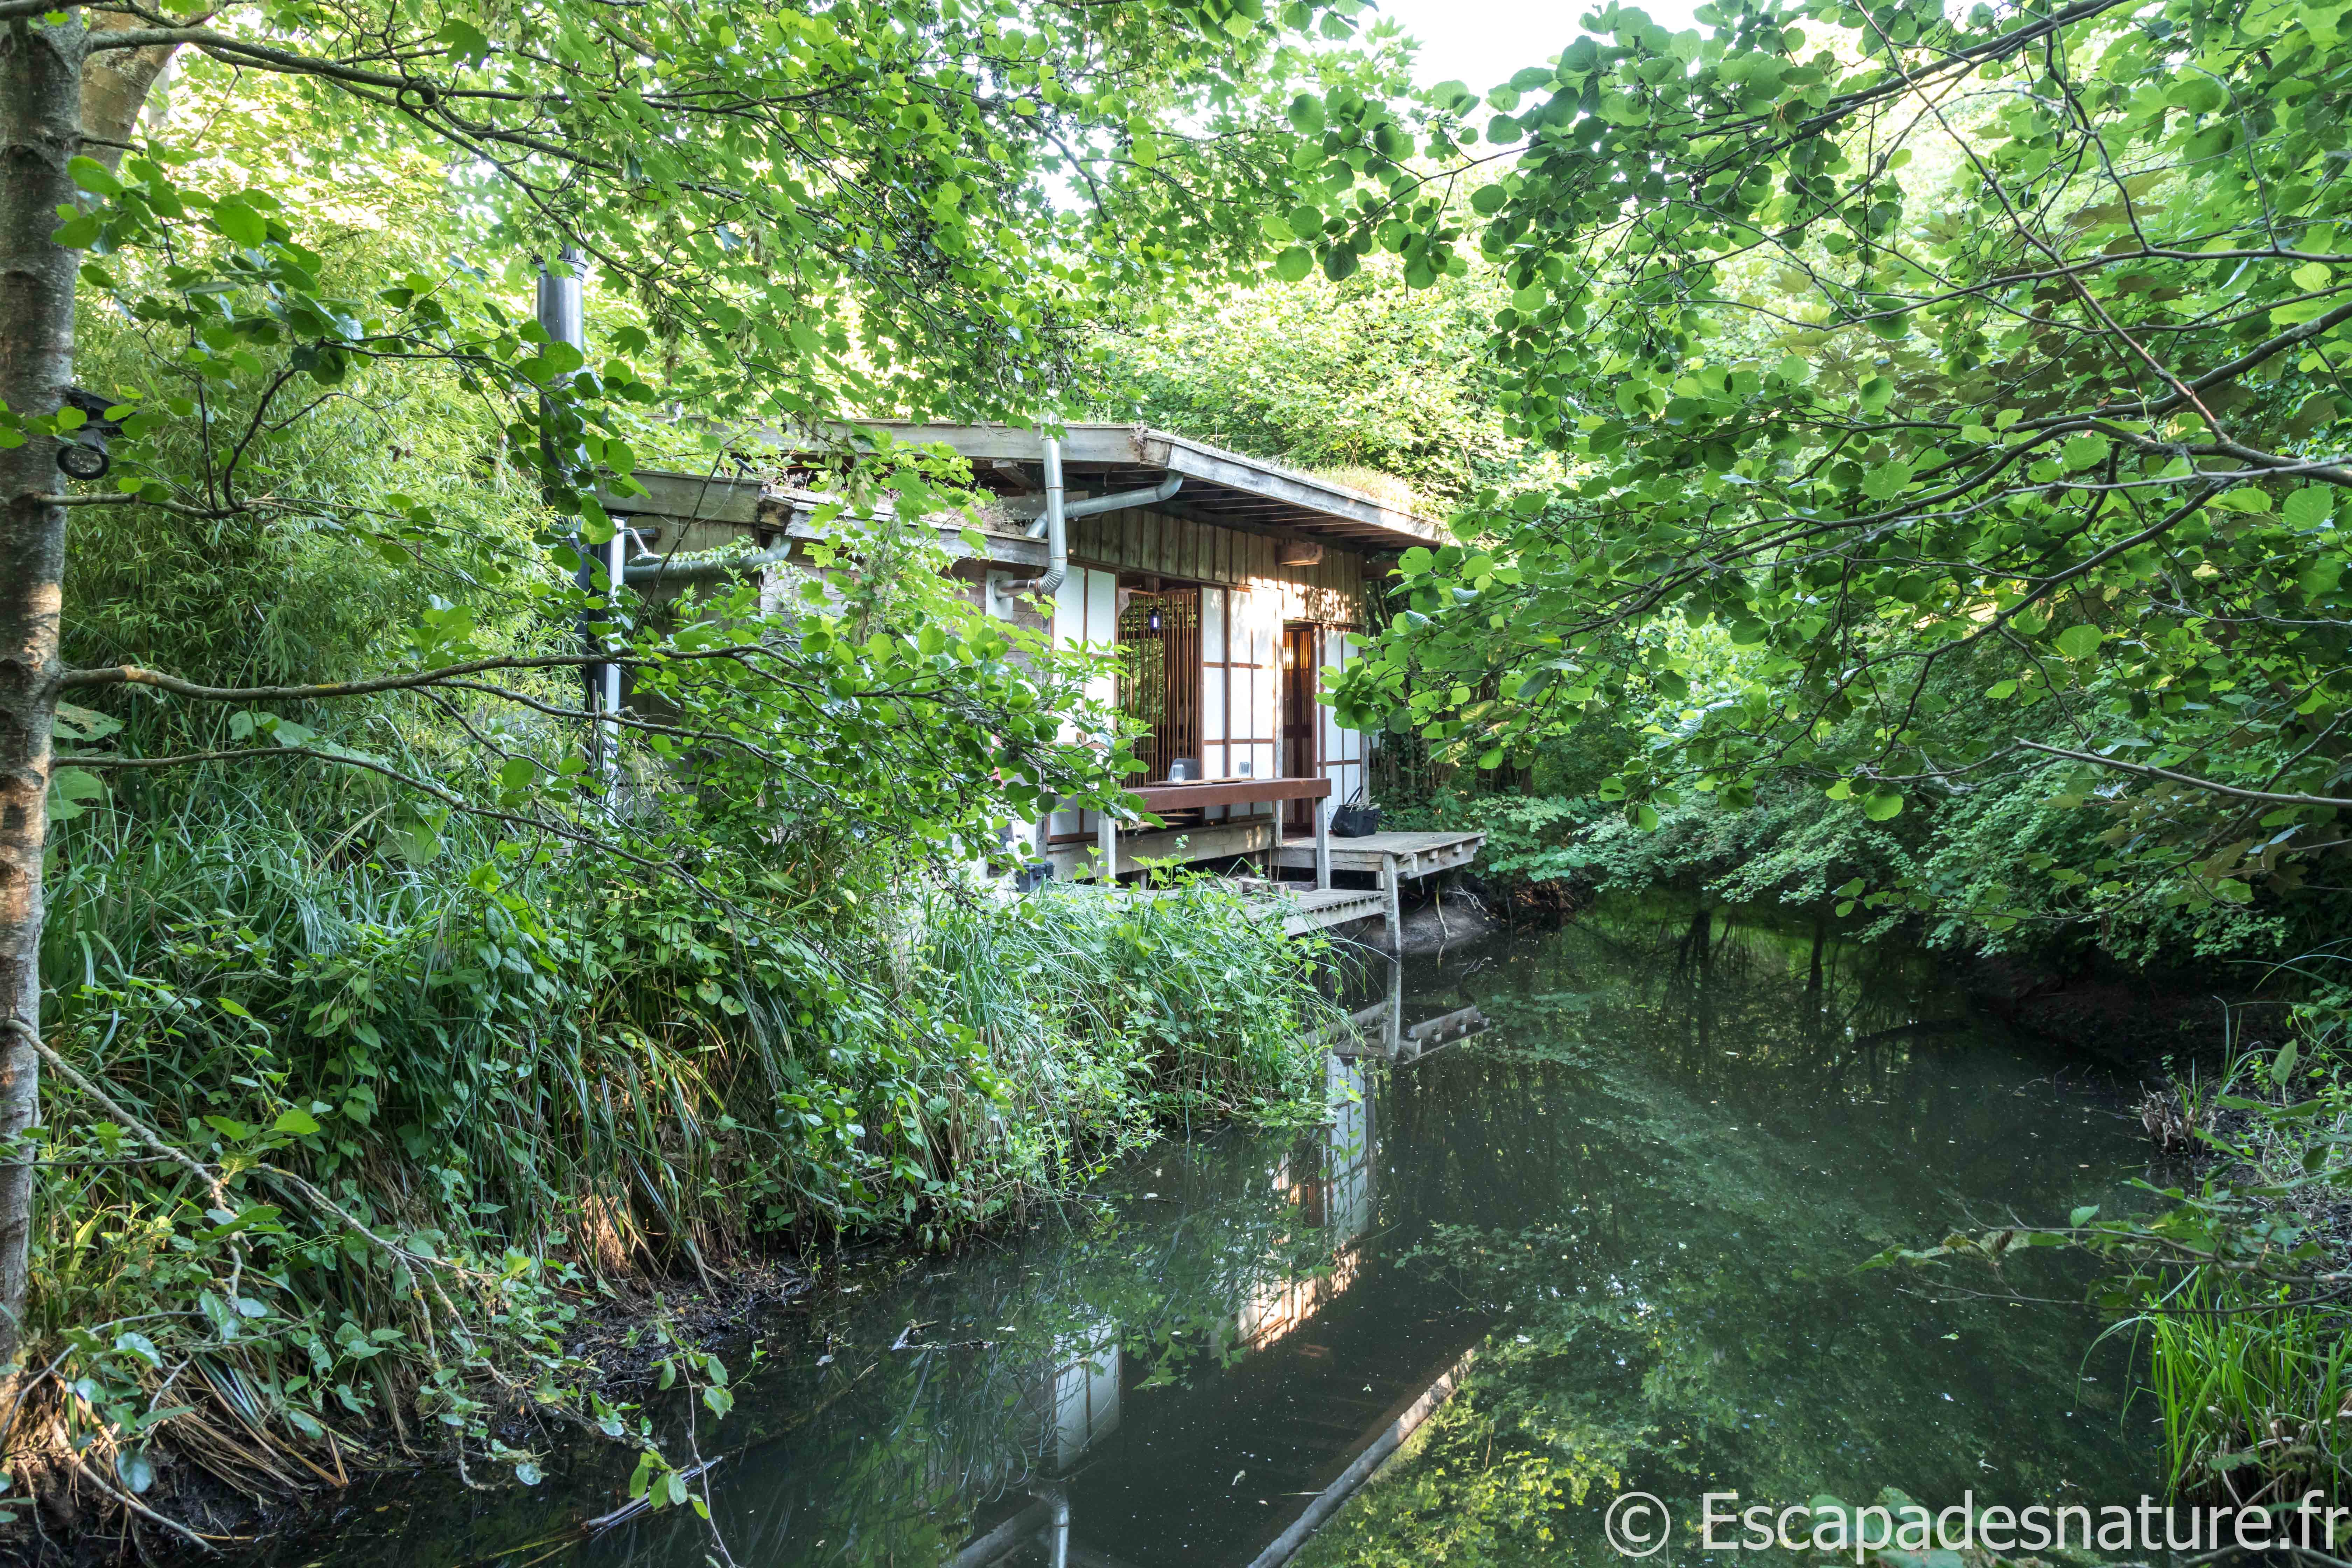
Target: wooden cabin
[1237, 585]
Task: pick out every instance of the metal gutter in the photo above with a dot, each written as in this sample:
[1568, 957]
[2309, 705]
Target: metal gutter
[657, 568]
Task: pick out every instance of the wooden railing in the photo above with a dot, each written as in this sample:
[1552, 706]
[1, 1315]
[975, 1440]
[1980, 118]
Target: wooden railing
[1195, 794]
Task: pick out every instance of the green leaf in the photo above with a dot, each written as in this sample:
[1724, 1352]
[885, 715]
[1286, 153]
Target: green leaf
[2080, 641]
[1884, 481]
[2308, 507]
[2081, 451]
[2197, 93]
[296, 1121]
[78, 233]
[238, 223]
[83, 725]
[1294, 264]
[68, 788]
[2084, 1215]
[465, 41]
[93, 176]
[1881, 804]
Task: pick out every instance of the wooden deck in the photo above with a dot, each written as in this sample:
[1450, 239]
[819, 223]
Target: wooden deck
[1413, 855]
[1393, 857]
[1298, 908]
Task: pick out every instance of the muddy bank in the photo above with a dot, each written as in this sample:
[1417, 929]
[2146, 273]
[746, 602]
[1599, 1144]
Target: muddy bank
[2134, 1021]
[250, 1488]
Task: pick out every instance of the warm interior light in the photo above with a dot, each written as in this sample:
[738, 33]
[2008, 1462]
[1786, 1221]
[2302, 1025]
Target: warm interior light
[1290, 655]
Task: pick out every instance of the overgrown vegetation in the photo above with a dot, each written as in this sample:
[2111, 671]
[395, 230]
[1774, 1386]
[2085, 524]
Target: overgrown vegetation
[1924, 510]
[515, 1084]
[401, 1009]
[1895, 458]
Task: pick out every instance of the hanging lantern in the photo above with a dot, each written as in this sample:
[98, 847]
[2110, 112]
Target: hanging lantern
[1151, 622]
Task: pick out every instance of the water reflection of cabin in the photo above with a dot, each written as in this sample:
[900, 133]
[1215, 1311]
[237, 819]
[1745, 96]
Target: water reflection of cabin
[1235, 584]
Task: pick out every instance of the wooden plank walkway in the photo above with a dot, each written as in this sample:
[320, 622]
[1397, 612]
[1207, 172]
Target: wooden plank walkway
[1316, 908]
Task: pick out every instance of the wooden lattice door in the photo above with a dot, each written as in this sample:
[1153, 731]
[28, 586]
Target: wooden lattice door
[1302, 729]
[1160, 681]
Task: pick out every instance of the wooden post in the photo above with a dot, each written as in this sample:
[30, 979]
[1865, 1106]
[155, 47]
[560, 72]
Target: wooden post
[1322, 844]
[1393, 919]
[1106, 847]
[1392, 1037]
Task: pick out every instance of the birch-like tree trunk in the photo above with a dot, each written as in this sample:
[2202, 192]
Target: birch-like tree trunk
[40, 130]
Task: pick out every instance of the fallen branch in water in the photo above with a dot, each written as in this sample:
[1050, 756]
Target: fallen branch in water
[636, 1506]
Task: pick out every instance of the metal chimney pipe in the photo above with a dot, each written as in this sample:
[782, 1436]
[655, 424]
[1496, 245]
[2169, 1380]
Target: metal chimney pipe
[562, 316]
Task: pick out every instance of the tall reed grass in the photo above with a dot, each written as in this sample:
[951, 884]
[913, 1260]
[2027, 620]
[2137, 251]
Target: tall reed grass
[2251, 1390]
[538, 1076]
[2251, 1365]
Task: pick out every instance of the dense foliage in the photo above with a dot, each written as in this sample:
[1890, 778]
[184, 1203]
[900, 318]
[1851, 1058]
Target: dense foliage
[1973, 373]
[400, 1011]
[1364, 381]
[1950, 415]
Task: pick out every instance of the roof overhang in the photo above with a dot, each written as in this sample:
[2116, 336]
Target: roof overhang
[1220, 487]
[747, 505]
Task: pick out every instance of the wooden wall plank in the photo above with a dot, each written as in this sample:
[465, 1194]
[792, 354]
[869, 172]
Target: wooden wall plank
[1331, 591]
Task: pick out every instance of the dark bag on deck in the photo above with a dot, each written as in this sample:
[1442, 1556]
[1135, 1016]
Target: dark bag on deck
[1355, 819]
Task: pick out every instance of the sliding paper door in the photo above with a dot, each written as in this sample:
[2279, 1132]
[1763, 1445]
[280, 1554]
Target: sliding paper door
[1085, 614]
[1343, 748]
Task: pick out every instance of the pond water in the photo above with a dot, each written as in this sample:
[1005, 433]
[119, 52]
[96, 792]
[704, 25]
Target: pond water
[1618, 1197]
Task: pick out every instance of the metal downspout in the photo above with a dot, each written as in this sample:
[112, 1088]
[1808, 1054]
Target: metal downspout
[560, 316]
[1057, 534]
[1056, 521]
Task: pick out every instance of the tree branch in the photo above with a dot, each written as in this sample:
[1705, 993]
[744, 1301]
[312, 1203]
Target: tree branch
[2260, 796]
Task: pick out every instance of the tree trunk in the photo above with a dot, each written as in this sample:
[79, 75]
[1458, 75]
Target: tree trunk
[40, 121]
[115, 87]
